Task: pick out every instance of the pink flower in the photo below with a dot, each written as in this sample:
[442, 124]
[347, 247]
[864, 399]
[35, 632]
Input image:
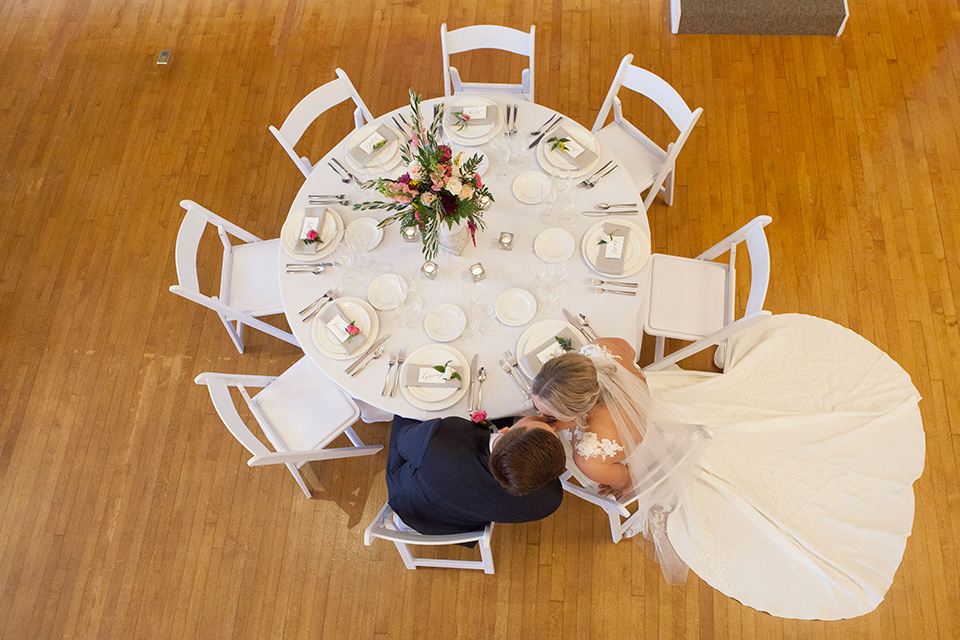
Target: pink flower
[353, 329]
[312, 234]
[478, 416]
[476, 177]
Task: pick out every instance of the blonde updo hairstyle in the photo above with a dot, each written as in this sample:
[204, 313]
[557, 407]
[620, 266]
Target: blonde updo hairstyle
[567, 386]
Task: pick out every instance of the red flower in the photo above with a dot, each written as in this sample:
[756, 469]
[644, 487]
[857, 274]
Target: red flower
[476, 177]
[312, 234]
[445, 153]
[479, 416]
[473, 231]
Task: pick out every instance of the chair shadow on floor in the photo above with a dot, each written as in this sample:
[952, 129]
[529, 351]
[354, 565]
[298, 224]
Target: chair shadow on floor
[347, 482]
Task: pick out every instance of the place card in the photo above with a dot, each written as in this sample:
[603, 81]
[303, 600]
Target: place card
[422, 375]
[311, 222]
[479, 114]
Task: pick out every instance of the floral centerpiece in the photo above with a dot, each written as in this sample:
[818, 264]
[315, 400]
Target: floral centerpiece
[438, 187]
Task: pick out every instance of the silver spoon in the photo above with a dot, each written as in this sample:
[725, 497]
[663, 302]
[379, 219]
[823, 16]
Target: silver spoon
[481, 376]
[604, 205]
[313, 270]
[376, 354]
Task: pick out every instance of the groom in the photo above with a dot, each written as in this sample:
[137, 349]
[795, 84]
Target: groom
[439, 477]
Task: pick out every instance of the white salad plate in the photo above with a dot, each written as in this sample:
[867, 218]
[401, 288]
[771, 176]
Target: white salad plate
[387, 292]
[515, 307]
[531, 187]
[445, 322]
[366, 232]
[554, 245]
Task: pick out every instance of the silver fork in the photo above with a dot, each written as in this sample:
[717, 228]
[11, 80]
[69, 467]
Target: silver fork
[386, 380]
[622, 293]
[586, 180]
[509, 371]
[593, 181]
[508, 355]
[396, 378]
[333, 296]
[319, 300]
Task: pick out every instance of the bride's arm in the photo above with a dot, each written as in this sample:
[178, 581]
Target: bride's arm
[611, 474]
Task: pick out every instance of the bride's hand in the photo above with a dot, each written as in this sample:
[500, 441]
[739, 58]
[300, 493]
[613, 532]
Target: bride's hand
[607, 490]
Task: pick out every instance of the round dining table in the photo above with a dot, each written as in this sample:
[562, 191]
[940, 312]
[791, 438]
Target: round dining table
[609, 314]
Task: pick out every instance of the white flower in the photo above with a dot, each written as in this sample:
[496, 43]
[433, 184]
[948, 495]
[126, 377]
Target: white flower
[453, 186]
[427, 198]
[466, 192]
[415, 170]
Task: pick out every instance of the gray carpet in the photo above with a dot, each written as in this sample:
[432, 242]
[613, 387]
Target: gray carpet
[762, 17]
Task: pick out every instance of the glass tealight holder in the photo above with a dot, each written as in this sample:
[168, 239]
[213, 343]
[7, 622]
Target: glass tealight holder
[429, 270]
[477, 272]
[506, 241]
[410, 234]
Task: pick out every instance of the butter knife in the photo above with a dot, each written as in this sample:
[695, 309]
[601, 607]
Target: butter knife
[366, 354]
[545, 132]
[576, 325]
[471, 405]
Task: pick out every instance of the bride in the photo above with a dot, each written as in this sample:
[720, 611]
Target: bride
[624, 443]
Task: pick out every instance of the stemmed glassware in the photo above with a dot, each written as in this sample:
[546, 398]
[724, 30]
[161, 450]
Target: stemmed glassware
[553, 286]
[503, 153]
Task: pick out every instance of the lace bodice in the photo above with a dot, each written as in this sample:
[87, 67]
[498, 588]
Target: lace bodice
[590, 446]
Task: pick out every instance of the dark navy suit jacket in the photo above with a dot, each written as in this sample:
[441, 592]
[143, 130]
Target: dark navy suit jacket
[439, 482]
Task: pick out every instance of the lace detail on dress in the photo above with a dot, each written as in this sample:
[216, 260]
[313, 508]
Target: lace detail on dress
[598, 352]
[590, 446]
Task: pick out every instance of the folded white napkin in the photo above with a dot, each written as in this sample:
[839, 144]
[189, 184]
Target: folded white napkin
[550, 348]
[365, 149]
[575, 153]
[314, 222]
[424, 375]
[610, 254]
[336, 323]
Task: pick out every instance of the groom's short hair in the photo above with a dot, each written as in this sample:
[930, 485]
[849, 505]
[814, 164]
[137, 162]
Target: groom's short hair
[526, 458]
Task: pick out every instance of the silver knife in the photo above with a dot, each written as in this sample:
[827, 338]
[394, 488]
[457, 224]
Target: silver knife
[576, 325]
[473, 381]
[545, 132]
[368, 352]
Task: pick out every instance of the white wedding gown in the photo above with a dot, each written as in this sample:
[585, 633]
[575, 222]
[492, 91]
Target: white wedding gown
[805, 500]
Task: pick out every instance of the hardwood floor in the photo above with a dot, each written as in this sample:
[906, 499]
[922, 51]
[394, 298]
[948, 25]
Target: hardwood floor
[127, 510]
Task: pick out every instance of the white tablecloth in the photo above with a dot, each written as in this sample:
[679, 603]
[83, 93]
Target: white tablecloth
[609, 314]
[806, 498]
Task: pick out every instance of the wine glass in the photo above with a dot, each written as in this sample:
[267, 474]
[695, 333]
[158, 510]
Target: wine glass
[502, 152]
[487, 310]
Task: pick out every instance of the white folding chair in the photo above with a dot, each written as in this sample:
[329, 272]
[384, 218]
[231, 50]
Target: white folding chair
[249, 284]
[384, 526]
[648, 164]
[300, 413]
[486, 36]
[310, 108]
[617, 509]
[695, 298]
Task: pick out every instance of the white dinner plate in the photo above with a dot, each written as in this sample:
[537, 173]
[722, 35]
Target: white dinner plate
[445, 322]
[531, 187]
[384, 159]
[636, 251]
[515, 307]
[387, 292]
[435, 398]
[467, 138]
[365, 230]
[362, 314]
[554, 245]
[558, 166]
[537, 333]
[331, 234]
